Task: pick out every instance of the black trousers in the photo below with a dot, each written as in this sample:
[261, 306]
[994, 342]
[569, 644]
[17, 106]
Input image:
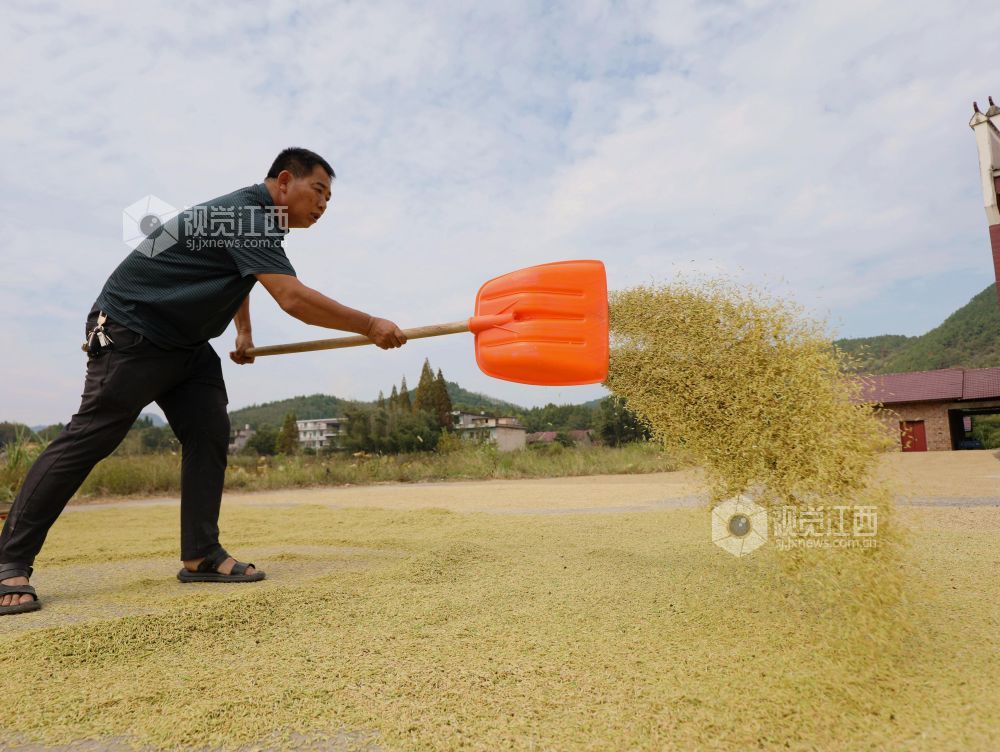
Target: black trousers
[188, 387]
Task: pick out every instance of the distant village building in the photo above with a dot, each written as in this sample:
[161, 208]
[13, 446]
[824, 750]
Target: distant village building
[506, 432]
[579, 438]
[239, 438]
[322, 433]
[933, 410]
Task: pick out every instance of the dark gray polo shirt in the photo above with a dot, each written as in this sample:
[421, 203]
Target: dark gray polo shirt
[183, 284]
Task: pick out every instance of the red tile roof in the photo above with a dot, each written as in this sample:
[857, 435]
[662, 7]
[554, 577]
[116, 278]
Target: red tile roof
[981, 383]
[946, 384]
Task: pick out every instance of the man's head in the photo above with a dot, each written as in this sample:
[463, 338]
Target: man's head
[300, 181]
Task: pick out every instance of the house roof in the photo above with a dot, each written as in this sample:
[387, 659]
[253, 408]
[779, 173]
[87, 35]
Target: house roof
[943, 385]
[981, 383]
[541, 436]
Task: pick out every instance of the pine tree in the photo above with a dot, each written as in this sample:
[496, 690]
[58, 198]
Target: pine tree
[404, 397]
[288, 437]
[394, 399]
[442, 402]
[424, 397]
[381, 400]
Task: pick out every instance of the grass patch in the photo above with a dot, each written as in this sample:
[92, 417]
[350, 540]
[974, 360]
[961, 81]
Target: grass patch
[140, 475]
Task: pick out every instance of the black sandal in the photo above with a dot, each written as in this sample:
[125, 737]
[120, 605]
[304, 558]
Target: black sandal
[206, 571]
[17, 570]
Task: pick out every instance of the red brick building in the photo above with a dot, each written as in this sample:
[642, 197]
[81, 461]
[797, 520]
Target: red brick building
[932, 410]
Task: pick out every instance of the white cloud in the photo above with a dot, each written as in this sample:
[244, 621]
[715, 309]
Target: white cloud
[819, 148]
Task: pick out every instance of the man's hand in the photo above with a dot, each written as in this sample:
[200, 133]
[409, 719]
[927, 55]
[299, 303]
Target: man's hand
[243, 341]
[385, 333]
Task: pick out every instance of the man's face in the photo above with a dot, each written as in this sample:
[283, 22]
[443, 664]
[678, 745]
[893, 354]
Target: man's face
[305, 197]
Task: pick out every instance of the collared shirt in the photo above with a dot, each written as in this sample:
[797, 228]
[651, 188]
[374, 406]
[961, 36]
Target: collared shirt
[184, 282]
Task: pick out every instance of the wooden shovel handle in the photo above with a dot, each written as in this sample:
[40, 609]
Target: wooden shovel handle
[419, 332]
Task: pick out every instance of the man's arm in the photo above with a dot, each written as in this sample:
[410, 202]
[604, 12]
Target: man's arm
[244, 335]
[313, 307]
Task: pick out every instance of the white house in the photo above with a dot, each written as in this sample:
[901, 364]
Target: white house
[322, 433]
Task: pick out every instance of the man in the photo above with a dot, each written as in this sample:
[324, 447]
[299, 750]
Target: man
[148, 338]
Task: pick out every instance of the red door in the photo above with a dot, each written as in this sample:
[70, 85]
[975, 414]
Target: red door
[912, 435]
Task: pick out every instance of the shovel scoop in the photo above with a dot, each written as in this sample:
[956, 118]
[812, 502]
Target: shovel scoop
[545, 325]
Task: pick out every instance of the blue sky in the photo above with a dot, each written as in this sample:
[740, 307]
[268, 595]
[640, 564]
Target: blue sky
[818, 149]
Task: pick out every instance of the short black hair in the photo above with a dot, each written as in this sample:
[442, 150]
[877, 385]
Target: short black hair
[300, 162]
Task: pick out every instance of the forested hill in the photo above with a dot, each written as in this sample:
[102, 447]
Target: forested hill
[305, 408]
[968, 338]
[328, 406]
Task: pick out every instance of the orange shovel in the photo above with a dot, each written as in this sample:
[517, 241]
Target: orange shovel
[545, 325]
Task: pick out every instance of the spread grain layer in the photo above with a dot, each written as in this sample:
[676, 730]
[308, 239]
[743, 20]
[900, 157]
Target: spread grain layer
[398, 617]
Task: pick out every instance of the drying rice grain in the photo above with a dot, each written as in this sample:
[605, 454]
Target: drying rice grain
[755, 393]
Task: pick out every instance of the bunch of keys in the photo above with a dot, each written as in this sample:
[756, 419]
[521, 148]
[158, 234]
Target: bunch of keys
[98, 340]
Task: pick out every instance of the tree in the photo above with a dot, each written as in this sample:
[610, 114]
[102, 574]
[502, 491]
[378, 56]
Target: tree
[415, 432]
[404, 397]
[424, 396]
[559, 418]
[50, 432]
[264, 441]
[288, 437]
[158, 439]
[377, 430]
[381, 400]
[359, 430]
[442, 402]
[394, 399]
[617, 425]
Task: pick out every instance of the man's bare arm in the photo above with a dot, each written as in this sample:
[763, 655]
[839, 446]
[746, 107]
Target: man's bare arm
[313, 307]
[244, 334]
[242, 317]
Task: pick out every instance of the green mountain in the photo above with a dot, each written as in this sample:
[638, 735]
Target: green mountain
[305, 408]
[968, 338]
[463, 399]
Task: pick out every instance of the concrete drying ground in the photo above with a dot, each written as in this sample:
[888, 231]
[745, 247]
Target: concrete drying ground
[90, 575]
